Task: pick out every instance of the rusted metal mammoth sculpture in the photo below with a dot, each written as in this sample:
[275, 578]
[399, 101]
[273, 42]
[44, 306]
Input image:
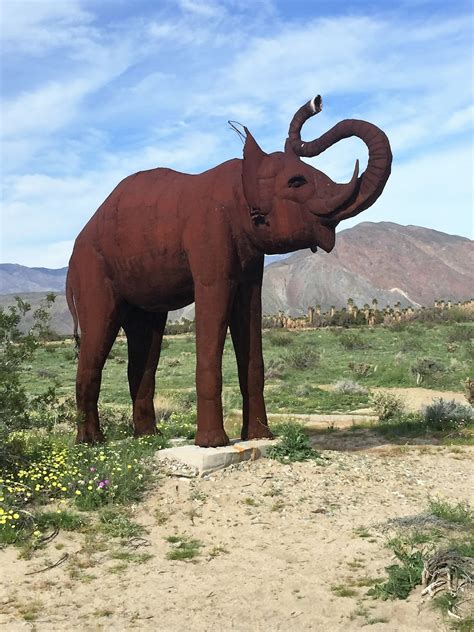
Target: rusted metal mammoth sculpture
[163, 239]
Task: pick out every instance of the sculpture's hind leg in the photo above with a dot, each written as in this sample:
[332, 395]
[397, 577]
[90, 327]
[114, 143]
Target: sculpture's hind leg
[144, 335]
[99, 319]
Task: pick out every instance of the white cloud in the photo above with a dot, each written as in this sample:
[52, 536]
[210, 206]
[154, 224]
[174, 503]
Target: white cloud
[50, 255]
[144, 91]
[201, 8]
[39, 208]
[37, 26]
[435, 190]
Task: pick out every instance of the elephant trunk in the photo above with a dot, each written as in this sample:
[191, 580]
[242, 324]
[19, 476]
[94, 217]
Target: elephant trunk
[372, 181]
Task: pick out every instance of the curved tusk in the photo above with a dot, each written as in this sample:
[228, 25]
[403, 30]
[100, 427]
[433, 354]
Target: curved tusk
[344, 193]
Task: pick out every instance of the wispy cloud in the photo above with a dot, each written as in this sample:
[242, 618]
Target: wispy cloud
[94, 92]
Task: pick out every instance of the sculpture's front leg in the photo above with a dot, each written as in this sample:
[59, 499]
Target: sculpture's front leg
[213, 304]
[246, 330]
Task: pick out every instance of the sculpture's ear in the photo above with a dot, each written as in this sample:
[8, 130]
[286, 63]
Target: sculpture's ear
[253, 157]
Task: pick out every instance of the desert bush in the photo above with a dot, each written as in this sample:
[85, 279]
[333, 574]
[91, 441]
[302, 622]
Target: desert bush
[69, 355]
[184, 399]
[303, 390]
[469, 390]
[362, 368]
[445, 414]
[47, 410]
[411, 343]
[305, 358]
[398, 326]
[387, 405]
[279, 337]
[16, 350]
[349, 387]
[351, 340]
[460, 333]
[116, 421]
[294, 444]
[426, 368]
[459, 513]
[275, 369]
[184, 326]
[404, 575]
[433, 315]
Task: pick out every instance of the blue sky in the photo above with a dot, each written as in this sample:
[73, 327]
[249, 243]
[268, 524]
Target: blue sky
[93, 90]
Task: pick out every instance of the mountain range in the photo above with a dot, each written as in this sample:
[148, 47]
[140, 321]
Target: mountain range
[386, 261]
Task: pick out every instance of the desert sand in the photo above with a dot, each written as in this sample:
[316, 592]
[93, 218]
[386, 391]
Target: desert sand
[278, 542]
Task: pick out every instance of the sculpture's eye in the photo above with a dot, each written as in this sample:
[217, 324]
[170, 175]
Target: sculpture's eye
[297, 181]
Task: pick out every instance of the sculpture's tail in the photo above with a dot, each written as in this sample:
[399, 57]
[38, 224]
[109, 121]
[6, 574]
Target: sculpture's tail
[72, 309]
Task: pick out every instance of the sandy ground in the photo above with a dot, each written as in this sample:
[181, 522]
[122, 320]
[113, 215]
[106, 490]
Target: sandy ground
[413, 398]
[277, 541]
[417, 398]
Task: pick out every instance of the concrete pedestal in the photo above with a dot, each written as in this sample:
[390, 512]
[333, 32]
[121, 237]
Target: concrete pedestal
[205, 460]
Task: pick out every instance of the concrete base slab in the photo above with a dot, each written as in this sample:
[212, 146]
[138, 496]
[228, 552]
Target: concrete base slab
[206, 460]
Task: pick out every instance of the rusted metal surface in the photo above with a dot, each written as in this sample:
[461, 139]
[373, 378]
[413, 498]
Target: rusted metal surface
[164, 239]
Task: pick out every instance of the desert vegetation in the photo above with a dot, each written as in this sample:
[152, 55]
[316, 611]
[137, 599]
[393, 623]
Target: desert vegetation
[49, 486]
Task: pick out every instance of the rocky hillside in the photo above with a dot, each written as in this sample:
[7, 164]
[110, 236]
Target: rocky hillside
[425, 264]
[16, 279]
[383, 260]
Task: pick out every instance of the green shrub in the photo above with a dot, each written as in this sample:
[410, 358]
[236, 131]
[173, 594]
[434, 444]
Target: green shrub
[185, 399]
[303, 390]
[16, 351]
[351, 340]
[408, 425]
[305, 358]
[411, 343]
[183, 547]
[363, 369]
[387, 405]
[402, 577]
[349, 387]
[116, 524]
[46, 410]
[433, 315]
[294, 444]
[445, 414]
[275, 369]
[279, 337]
[426, 368]
[60, 519]
[459, 513]
[460, 333]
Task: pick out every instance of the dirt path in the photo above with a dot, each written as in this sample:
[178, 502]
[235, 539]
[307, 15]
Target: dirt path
[278, 543]
[417, 398]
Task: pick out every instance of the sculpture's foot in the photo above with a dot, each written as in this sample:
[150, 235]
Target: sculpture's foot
[257, 431]
[89, 435]
[145, 429]
[211, 438]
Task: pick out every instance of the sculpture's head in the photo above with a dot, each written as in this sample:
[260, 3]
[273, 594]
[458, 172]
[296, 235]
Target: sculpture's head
[293, 205]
